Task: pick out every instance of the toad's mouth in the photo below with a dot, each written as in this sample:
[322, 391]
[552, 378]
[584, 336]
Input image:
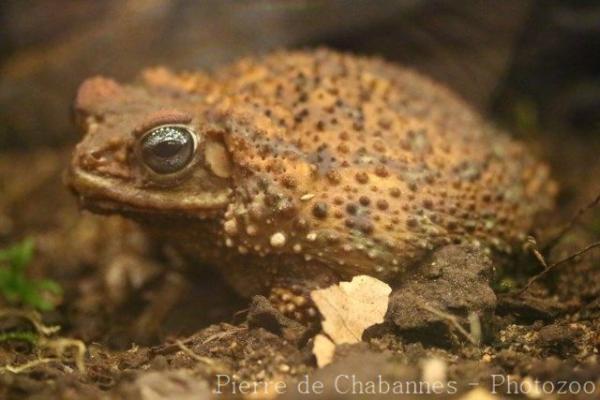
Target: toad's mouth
[106, 195]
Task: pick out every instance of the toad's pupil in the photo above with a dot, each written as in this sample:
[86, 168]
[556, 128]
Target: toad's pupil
[167, 149]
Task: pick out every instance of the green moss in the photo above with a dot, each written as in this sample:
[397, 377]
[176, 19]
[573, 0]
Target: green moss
[504, 285]
[22, 336]
[525, 116]
[16, 287]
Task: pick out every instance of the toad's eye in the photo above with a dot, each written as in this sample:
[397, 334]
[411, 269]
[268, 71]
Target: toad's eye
[167, 149]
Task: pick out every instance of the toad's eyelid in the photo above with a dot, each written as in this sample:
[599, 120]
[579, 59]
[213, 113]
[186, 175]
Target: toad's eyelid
[162, 117]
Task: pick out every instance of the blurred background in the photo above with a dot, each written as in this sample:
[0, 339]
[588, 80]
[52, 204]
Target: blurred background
[545, 53]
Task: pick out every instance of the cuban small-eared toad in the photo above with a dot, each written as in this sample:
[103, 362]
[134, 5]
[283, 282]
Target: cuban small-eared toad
[297, 169]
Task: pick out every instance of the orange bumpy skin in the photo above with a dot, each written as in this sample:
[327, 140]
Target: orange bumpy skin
[306, 162]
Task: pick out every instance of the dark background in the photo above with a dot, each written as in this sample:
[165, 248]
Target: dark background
[496, 53]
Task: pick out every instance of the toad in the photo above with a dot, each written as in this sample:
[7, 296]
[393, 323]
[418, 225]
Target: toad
[297, 169]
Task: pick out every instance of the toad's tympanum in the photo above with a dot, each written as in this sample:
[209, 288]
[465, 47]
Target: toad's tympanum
[297, 169]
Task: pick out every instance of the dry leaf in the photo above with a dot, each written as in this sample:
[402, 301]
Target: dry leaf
[434, 371]
[479, 394]
[181, 384]
[323, 349]
[350, 308]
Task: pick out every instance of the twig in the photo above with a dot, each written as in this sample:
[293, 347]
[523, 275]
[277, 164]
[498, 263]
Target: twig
[532, 245]
[475, 327]
[57, 345]
[17, 369]
[195, 356]
[222, 335]
[31, 316]
[556, 264]
[450, 319]
[554, 241]
[239, 313]
[60, 346]
[169, 348]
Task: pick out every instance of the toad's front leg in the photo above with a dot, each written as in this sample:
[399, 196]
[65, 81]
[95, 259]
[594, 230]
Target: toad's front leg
[290, 291]
[286, 282]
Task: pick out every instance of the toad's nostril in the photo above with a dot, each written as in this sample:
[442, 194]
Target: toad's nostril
[94, 91]
[91, 161]
[105, 164]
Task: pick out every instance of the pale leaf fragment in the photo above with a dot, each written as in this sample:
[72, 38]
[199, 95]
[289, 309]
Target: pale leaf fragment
[479, 394]
[349, 308]
[323, 349]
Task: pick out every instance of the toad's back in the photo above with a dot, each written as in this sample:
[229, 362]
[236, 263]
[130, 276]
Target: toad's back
[377, 163]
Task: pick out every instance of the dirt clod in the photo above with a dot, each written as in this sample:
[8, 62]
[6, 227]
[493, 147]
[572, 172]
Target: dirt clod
[455, 281]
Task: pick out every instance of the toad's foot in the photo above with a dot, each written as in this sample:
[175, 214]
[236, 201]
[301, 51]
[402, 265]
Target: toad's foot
[288, 309]
[294, 302]
[290, 294]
